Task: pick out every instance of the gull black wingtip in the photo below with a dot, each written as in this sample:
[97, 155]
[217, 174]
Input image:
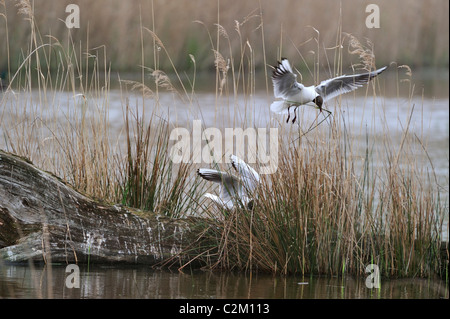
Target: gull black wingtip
[377, 72]
[380, 70]
[280, 62]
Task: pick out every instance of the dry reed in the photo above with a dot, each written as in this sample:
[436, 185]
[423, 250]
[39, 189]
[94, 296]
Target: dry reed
[321, 212]
[407, 27]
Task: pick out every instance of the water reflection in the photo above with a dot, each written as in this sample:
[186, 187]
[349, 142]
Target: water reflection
[20, 281]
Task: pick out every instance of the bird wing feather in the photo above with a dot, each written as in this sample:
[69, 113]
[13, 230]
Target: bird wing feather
[284, 80]
[230, 186]
[249, 176]
[331, 88]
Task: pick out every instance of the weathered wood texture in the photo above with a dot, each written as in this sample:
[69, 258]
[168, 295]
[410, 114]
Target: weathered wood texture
[43, 219]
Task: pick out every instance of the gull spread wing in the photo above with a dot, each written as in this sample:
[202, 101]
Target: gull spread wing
[284, 80]
[213, 175]
[331, 88]
[230, 186]
[249, 176]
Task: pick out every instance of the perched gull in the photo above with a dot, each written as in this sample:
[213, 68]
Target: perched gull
[295, 94]
[233, 188]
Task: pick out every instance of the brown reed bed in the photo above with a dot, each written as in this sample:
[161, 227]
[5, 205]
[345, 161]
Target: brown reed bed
[333, 206]
[413, 26]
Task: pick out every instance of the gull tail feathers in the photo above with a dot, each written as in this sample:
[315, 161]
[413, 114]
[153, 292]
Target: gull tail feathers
[278, 107]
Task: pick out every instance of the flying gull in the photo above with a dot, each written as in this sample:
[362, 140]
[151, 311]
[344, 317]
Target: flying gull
[294, 94]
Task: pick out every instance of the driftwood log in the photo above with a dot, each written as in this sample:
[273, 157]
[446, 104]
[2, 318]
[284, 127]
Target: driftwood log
[45, 220]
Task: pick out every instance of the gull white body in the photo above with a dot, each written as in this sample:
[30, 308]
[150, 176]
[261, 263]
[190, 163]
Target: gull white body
[304, 96]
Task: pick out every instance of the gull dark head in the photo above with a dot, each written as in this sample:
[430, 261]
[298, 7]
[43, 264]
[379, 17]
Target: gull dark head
[250, 205]
[318, 101]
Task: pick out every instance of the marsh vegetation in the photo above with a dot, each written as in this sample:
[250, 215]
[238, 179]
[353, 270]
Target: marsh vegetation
[344, 195]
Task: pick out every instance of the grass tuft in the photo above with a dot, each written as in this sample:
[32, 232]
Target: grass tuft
[339, 200]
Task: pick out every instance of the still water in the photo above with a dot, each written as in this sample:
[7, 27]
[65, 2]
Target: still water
[21, 281]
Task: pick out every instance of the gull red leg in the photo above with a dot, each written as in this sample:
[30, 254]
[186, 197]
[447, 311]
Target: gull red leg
[295, 115]
[289, 115]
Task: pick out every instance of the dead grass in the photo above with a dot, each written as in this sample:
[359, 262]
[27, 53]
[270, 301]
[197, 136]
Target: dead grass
[328, 209]
[407, 28]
